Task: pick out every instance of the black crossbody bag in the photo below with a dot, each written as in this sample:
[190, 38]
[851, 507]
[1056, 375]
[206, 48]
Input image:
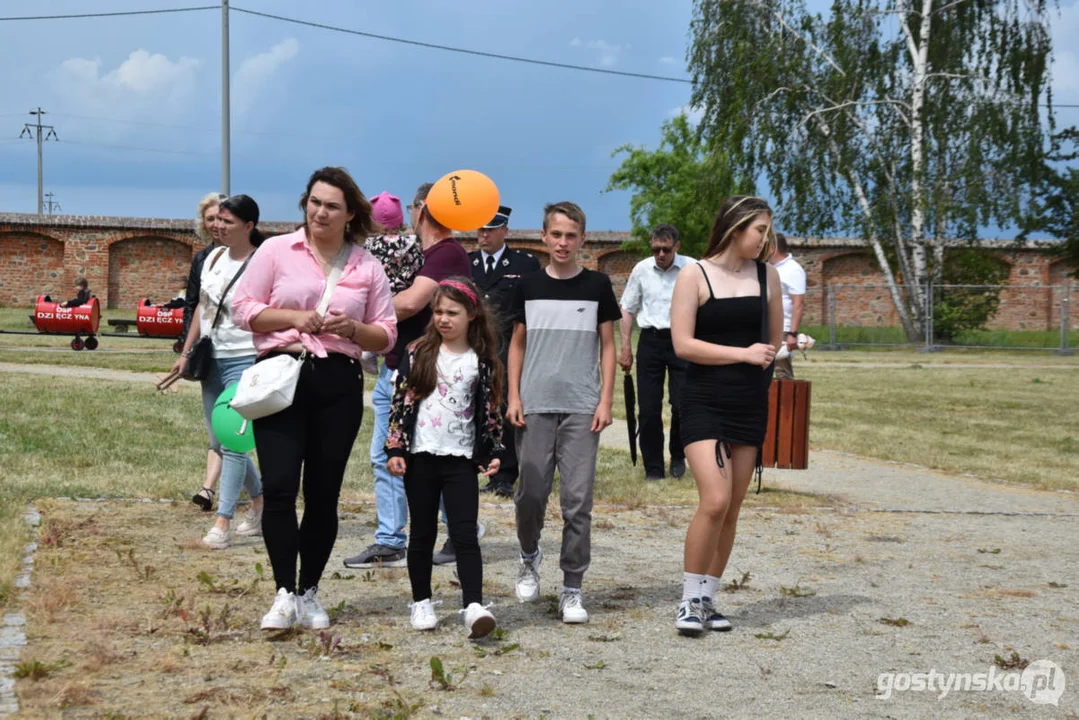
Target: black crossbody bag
[201, 358]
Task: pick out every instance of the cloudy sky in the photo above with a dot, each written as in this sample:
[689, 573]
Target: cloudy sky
[136, 100]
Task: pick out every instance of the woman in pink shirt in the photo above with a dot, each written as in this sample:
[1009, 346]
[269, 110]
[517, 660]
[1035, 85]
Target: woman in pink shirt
[277, 300]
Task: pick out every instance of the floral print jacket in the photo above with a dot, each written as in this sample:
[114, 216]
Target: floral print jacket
[405, 406]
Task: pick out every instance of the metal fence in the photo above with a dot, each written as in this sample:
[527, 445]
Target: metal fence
[1016, 317]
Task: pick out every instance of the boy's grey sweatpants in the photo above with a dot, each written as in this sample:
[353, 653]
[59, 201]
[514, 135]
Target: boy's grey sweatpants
[567, 441]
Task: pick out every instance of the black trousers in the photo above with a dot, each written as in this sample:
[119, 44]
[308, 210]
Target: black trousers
[507, 470]
[655, 362]
[312, 437]
[453, 479]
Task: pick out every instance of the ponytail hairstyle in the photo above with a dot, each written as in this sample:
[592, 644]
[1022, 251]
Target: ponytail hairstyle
[735, 214]
[482, 338]
[247, 210]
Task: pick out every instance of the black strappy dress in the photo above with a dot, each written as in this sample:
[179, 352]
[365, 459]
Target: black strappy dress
[728, 403]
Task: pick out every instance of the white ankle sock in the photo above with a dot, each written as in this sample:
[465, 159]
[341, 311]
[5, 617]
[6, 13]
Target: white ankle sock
[709, 585]
[691, 586]
[570, 591]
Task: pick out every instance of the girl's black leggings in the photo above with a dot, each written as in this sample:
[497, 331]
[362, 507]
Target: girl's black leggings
[453, 479]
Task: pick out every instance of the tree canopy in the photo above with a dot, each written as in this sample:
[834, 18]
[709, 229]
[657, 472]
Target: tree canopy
[911, 123]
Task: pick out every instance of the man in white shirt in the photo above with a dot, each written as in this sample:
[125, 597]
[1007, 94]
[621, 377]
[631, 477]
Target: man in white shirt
[647, 299]
[792, 278]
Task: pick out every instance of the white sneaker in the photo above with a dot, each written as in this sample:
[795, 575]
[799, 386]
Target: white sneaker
[572, 608]
[478, 620]
[312, 614]
[284, 612]
[423, 615]
[527, 588]
[217, 539]
[251, 524]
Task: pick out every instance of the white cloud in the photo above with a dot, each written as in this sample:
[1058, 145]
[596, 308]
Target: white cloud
[575, 42]
[667, 60]
[143, 83]
[256, 71]
[693, 112]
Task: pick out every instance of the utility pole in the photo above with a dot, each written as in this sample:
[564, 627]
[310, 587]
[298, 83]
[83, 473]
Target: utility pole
[225, 130]
[28, 131]
[51, 204]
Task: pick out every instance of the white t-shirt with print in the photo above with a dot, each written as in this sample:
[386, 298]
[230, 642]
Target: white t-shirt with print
[444, 421]
[229, 340]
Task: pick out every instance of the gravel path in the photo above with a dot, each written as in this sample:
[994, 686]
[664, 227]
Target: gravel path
[908, 571]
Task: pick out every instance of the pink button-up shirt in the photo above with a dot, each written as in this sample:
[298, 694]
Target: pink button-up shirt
[284, 274]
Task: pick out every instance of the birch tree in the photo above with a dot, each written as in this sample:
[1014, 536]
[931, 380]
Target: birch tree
[910, 123]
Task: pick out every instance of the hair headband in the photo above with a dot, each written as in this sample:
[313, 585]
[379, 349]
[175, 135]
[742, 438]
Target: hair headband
[463, 288]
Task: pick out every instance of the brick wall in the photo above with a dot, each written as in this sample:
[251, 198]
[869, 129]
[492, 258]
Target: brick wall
[128, 258]
[30, 265]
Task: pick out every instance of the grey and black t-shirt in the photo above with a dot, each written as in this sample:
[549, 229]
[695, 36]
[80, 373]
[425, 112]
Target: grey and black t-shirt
[562, 317]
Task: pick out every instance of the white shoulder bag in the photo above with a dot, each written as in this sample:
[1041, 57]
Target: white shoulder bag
[269, 386]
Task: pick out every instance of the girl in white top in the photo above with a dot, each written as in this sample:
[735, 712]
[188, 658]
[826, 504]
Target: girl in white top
[233, 352]
[445, 426]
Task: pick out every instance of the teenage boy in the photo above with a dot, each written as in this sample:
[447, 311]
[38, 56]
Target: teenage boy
[563, 333]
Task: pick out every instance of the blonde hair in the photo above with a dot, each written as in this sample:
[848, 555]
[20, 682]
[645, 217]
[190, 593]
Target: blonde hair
[734, 214]
[571, 210]
[207, 201]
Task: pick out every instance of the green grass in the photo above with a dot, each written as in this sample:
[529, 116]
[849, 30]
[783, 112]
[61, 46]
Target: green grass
[1012, 424]
[83, 438]
[1041, 339]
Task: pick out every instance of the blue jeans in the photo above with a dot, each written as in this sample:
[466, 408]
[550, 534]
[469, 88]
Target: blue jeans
[390, 500]
[237, 469]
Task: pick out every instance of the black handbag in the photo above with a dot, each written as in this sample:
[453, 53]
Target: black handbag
[201, 357]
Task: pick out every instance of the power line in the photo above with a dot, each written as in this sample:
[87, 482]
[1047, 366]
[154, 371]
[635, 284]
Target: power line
[111, 14]
[465, 51]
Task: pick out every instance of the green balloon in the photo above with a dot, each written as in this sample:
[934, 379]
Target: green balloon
[232, 431]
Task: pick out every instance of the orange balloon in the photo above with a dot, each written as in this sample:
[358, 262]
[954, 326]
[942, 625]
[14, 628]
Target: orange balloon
[463, 200]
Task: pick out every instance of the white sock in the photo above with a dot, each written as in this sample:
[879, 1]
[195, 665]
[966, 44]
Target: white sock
[709, 585]
[570, 591]
[691, 586]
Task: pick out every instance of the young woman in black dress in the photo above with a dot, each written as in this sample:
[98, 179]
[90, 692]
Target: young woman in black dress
[717, 325]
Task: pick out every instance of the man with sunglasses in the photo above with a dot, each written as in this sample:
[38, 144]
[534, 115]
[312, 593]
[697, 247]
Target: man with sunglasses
[647, 299]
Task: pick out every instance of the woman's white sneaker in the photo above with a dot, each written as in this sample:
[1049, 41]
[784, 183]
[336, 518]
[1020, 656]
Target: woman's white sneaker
[478, 620]
[423, 615]
[312, 614]
[217, 539]
[251, 524]
[283, 614]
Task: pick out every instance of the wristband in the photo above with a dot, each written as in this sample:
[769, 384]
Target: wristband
[792, 333]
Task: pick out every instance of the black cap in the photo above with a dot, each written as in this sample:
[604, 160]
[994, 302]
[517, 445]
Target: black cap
[501, 218]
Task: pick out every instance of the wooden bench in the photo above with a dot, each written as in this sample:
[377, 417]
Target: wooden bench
[786, 445]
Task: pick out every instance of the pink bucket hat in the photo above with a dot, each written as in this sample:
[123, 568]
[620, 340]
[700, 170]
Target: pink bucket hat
[387, 210]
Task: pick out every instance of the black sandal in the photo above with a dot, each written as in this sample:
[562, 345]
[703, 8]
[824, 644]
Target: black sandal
[206, 502]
